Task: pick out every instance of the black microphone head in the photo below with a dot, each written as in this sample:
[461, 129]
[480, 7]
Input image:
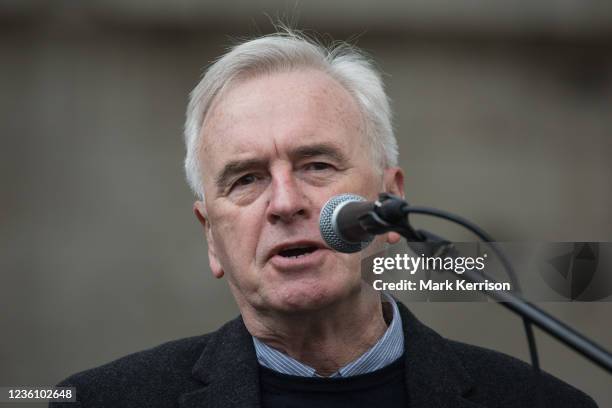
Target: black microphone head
[329, 226]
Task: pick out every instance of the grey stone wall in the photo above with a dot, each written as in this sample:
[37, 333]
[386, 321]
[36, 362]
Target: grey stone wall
[503, 115]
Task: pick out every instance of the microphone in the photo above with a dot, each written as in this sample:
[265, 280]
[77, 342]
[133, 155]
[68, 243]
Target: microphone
[340, 224]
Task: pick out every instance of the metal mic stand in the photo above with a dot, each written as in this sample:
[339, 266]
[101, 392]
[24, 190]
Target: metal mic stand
[391, 214]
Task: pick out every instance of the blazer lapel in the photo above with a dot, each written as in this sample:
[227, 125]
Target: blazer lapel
[228, 369]
[435, 377]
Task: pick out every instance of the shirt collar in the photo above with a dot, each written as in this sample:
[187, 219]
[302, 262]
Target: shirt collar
[386, 350]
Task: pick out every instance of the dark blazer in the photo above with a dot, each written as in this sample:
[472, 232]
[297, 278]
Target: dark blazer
[220, 369]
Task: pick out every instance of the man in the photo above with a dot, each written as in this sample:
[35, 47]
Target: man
[275, 128]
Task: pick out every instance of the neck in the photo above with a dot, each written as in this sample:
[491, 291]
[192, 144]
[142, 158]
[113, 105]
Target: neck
[325, 339]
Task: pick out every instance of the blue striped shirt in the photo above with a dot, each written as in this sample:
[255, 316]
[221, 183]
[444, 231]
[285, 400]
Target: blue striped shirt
[388, 349]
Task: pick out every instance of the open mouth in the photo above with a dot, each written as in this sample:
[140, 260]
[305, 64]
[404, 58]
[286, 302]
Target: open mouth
[297, 252]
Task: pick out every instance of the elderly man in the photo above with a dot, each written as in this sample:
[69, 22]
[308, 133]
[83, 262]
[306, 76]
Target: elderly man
[275, 128]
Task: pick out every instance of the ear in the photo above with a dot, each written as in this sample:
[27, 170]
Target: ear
[393, 182]
[199, 209]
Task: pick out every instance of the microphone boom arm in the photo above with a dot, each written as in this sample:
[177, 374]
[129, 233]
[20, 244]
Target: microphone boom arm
[390, 213]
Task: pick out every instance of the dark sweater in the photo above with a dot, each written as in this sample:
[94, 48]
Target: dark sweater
[383, 388]
[220, 370]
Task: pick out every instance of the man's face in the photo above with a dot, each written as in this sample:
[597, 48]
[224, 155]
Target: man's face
[276, 148]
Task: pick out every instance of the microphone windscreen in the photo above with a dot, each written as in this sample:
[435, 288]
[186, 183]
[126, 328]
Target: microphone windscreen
[329, 227]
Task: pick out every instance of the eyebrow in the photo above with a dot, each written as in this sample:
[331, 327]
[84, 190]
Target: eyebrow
[234, 167]
[319, 149]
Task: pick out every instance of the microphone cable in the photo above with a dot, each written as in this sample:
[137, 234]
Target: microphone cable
[484, 236]
[391, 213]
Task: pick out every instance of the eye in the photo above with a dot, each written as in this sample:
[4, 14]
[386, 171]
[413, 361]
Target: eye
[318, 166]
[245, 180]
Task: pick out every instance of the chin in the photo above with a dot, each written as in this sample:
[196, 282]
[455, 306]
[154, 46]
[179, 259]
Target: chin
[304, 298]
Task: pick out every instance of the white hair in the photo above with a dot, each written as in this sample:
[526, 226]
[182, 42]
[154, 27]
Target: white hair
[287, 51]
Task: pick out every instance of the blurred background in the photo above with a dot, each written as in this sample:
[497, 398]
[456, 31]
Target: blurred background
[503, 115]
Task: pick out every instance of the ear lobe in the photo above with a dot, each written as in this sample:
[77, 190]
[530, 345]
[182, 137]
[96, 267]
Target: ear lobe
[199, 210]
[213, 262]
[393, 237]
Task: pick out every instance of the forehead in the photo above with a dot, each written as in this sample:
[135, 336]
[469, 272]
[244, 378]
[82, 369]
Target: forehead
[278, 110]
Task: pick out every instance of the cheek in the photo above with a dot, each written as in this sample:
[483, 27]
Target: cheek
[363, 182]
[235, 254]
[358, 180]
[236, 236]
[347, 269]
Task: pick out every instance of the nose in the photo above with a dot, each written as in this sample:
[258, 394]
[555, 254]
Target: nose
[287, 202]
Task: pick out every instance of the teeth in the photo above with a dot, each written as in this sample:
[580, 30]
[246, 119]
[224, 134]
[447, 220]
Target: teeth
[297, 252]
